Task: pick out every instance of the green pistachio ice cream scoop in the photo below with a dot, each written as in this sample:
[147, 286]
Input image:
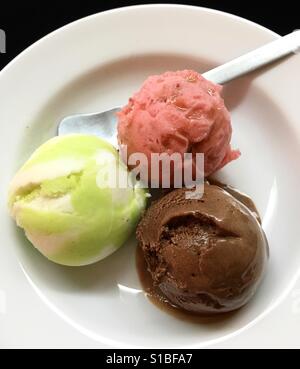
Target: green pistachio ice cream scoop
[67, 203]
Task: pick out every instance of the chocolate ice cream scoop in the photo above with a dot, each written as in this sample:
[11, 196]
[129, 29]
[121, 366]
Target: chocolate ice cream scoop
[207, 255]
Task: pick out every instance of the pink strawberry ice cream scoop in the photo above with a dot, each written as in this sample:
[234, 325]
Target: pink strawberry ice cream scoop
[178, 112]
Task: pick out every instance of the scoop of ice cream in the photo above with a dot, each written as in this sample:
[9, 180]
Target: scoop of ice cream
[207, 255]
[64, 200]
[178, 112]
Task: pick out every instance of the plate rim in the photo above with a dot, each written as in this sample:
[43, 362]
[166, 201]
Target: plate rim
[125, 9]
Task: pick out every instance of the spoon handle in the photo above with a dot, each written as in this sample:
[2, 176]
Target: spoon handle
[255, 59]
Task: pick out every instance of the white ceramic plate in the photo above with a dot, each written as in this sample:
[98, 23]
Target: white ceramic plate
[94, 64]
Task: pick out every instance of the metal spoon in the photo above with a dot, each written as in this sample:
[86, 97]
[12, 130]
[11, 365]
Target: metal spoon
[104, 124]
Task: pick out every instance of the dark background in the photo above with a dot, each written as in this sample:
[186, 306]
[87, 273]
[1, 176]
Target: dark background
[27, 21]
